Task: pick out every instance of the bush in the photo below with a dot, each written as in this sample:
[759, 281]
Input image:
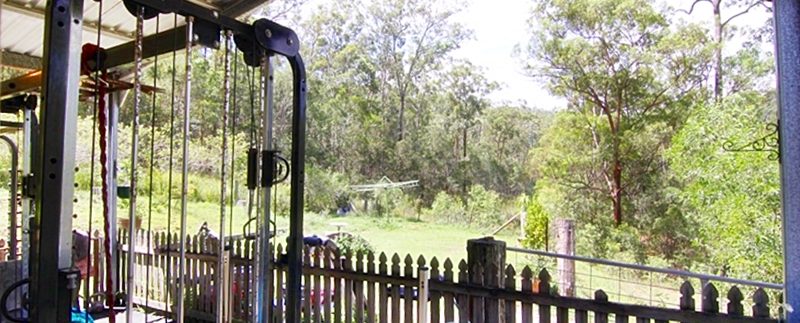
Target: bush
[536, 223]
[484, 207]
[446, 208]
[353, 244]
[322, 189]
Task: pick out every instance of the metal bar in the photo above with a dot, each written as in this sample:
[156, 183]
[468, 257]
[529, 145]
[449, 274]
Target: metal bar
[675, 272]
[137, 102]
[264, 251]
[27, 203]
[221, 261]
[112, 126]
[295, 243]
[787, 50]
[12, 192]
[161, 43]
[56, 165]
[190, 9]
[185, 170]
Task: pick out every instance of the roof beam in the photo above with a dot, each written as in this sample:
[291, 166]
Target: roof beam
[38, 13]
[17, 60]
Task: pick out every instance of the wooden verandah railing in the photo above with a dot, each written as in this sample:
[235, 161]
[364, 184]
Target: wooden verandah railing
[383, 288]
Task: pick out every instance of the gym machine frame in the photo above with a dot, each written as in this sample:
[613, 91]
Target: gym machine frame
[54, 166]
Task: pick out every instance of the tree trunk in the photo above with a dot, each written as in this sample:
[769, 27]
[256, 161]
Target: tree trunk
[616, 193]
[464, 142]
[401, 122]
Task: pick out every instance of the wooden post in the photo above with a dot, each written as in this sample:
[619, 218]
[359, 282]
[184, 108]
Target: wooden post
[2, 250]
[565, 245]
[489, 255]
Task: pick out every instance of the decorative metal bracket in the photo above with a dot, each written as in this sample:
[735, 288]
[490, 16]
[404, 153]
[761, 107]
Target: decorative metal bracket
[769, 143]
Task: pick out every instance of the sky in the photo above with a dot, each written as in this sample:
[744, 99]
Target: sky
[499, 26]
[498, 30]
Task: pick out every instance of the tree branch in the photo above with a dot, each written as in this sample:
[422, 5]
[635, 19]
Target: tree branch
[692, 8]
[751, 6]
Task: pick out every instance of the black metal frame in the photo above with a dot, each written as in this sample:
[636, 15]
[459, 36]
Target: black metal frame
[787, 53]
[52, 276]
[55, 167]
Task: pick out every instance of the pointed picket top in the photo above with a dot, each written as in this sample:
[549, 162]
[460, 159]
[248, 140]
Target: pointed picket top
[279, 249]
[760, 303]
[544, 282]
[408, 269]
[421, 262]
[370, 261]
[396, 264]
[306, 255]
[448, 265]
[382, 266]
[735, 299]
[687, 296]
[710, 303]
[360, 261]
[434, 267]
[510, 279]
[527, 273]
[600, 296]
[463, 273]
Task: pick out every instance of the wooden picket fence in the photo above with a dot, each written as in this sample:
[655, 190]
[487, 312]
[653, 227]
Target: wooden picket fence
[383, 288]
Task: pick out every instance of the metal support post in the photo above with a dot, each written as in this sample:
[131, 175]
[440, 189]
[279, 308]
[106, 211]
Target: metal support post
[51, 296]
[295, 245]
[112, 115]
[13, 225]
[787, 50]
[264, 251]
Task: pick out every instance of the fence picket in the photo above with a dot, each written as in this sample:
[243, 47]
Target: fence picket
[337, 291]
[449, 298]
[395, 289]
[370, 288]
[348, 288]
[436, 296]
[408, 290]
[735, 298]
[279, 292]
[358, 289]
[544, 289]
[307, 287]
[319, 292]
[383, 300]
[527, 287]
[601, 297]
[760, 304]
[327, 262]
[476, 278]
[510, 304]
[710, 303]
[462, 301]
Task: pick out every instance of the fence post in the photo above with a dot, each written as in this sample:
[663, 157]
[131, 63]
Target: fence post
[422, 297]
[488, 253]
[565, 245]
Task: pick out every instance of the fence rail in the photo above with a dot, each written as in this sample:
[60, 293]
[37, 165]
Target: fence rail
[385, 288]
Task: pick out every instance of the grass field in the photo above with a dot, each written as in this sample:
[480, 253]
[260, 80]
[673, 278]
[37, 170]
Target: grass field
[390, 235]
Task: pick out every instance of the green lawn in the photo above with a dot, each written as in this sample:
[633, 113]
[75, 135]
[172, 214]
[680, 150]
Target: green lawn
[393, 235]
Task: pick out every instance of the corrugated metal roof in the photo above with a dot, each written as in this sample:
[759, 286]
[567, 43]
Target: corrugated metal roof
[22, 23]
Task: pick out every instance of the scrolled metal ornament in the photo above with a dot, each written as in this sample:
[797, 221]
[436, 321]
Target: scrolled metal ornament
[769, 143]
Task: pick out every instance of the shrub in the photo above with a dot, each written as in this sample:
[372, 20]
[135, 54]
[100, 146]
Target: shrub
[322, 188]
[484, 207]
[446, 208]
[536, 223]
[353, 244]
